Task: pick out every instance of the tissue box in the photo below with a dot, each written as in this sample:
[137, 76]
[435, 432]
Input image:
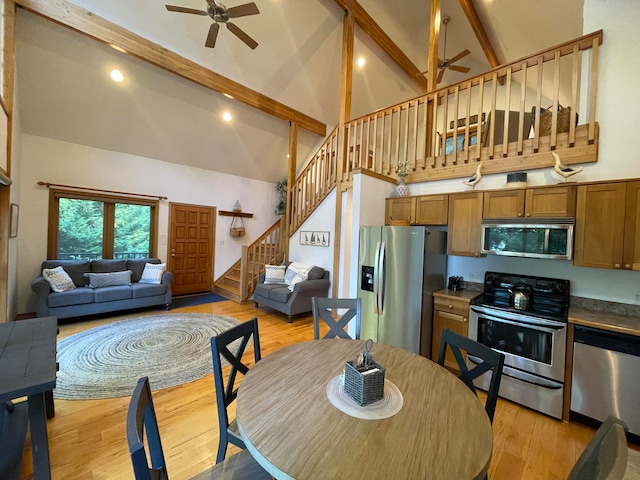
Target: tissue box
[364, 387]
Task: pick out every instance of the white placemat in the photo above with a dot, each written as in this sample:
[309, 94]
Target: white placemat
[390, 404]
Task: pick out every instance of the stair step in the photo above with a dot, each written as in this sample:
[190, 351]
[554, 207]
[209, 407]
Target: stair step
[227, 294]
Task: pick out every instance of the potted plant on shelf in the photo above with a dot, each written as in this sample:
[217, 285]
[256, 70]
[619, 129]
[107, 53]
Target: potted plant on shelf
[402, 170]
[281, 191]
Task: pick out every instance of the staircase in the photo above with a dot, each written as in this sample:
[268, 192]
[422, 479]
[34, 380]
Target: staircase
[239, 281]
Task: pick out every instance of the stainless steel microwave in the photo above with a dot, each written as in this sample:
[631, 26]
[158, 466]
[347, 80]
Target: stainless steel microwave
[535, 238]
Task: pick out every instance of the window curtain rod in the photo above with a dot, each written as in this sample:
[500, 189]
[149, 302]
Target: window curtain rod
[49, 185]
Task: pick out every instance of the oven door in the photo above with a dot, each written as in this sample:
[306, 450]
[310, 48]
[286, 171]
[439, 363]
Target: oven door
[533, 345]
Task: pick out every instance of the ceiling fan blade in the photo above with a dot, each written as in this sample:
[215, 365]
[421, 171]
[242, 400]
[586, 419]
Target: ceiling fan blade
[243, 10]
[212, 36]
[462, 54]
[238, 32]
[459, 69]
[440, 75]
[174, 8]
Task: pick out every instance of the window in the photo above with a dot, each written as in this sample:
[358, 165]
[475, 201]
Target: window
[91, 226]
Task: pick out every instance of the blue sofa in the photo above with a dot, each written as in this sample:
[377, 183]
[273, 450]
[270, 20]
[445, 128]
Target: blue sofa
[84, 300]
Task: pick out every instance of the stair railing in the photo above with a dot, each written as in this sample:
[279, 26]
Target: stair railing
[266, 249]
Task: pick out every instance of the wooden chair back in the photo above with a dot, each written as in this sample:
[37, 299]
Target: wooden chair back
[231, 345]
[490, 360]
[323, 311]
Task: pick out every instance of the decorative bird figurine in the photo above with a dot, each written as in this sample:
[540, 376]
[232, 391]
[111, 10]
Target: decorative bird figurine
[563, 170]
[475, 178]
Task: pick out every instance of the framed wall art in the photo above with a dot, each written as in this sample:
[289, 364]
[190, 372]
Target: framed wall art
[312, 237]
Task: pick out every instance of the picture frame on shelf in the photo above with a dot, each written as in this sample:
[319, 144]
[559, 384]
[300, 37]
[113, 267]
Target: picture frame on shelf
[460, 137]
[315, 238]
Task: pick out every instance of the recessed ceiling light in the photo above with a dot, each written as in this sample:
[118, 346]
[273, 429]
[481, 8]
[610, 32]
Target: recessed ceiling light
[228, 96]
[226, 116]
[361, 62]
[116, 75]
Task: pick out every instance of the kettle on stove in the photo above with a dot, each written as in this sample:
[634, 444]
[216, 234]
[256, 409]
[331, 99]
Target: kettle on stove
[520, 295]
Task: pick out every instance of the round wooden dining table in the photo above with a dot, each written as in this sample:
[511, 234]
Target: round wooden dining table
[292, 429]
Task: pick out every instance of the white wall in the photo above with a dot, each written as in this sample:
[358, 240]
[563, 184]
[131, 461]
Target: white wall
[59, 162]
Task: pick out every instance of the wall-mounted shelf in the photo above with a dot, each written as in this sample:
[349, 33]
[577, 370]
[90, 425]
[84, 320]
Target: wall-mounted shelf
[225, 213]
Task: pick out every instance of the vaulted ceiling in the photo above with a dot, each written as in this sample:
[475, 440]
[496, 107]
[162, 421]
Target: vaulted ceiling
[65, 93]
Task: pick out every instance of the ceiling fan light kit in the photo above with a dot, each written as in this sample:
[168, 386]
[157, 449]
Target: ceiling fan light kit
[221, 14]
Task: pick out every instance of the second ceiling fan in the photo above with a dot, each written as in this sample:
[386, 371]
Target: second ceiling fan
[221, 14]
[449, 62]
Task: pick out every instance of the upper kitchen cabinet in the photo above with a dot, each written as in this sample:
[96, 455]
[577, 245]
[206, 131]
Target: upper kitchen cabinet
[607, 230]
[400, 210]
[432, 209]
[422, 210]
[545, 202]
[465, 224]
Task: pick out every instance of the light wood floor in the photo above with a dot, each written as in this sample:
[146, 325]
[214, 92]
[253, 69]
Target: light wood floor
[87, 438]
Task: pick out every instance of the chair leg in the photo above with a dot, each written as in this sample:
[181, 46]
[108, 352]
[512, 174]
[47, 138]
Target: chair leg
[222, 449]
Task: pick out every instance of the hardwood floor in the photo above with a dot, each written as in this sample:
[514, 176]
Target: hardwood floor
[87, 437]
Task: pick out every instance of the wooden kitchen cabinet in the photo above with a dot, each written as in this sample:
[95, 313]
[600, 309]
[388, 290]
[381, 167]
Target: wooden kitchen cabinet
[547, 202]
[421, 210]
[452, 312]
[465, 224]
[607, 228]
[399, 209]
[432, 209]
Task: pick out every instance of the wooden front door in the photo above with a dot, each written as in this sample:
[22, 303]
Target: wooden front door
[191, 242]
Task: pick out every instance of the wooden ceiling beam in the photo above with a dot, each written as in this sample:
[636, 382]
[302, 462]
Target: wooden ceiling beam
[98, 28]
[378, 35]
[480, 32]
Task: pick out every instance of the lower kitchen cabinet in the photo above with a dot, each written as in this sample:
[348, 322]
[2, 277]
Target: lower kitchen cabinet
[450, 310]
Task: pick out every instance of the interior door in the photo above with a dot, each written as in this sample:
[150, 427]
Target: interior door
[191, 242]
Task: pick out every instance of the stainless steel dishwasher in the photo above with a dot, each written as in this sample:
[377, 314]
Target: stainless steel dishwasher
[606, 366]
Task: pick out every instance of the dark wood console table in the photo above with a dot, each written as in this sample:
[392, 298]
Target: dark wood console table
[27, 369]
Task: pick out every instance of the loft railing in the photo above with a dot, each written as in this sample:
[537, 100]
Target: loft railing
[493, 118]
[488, 118]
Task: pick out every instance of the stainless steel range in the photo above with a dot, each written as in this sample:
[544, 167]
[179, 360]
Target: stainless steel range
[531, 336]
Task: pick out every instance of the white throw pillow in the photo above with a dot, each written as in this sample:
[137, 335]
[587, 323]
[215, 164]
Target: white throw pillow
[274, 273]
[59, 280]
[296, 272]
[109, 279]
[152, 272]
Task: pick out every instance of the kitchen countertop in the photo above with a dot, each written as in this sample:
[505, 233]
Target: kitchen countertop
[613, 322]
[464, 294]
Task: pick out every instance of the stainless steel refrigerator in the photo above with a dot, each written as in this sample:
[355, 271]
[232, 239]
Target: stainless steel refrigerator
[399, 269]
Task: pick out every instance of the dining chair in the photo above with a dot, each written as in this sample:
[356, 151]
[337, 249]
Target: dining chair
[142, 421]
[605, 456]
[491, 360]
[231, 344]
[323, 310]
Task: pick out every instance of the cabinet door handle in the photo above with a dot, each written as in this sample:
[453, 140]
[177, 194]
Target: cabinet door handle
[617, 265]
[450, 306]
[627, 266]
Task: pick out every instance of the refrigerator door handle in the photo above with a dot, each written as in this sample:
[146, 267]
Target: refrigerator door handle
[380, 252]
[376, 264]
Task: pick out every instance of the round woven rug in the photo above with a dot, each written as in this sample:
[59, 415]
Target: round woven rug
[107, 361]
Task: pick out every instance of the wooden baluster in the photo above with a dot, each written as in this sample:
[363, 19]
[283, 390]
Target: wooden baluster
[415, 134]
[507, 111]
[594, 88]
[456, 101]
[467, 126]
[480, 122]
[536, 126]
[523, 99]
[575, 94]
[556, 93]
[492, 124]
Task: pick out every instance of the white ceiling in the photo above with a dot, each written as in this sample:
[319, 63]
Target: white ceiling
[64, 91]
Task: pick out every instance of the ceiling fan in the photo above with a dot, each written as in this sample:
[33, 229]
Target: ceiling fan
[449, 62]
[221, 14]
